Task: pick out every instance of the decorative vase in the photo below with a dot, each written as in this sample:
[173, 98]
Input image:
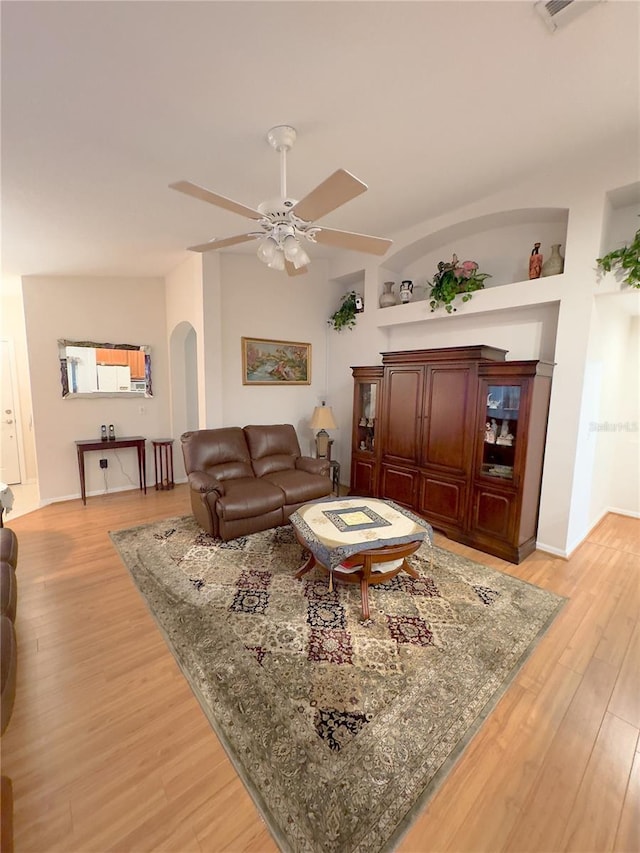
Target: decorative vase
[535, 262]
[406, 291]
[554, 265]
[387, 297]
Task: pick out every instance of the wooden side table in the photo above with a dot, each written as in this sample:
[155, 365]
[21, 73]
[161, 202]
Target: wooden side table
[85, 445]
[163, 462]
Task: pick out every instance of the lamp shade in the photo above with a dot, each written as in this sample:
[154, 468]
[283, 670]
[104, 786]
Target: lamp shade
[322, 418]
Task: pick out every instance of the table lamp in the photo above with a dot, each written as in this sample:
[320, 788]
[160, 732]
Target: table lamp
[322, 420]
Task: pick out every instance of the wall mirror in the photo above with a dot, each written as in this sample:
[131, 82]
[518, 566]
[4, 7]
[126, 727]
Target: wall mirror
[88, 368]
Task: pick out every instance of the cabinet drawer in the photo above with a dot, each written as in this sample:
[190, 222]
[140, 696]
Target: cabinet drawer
[494, 513]
[442, 500]
[399, 485]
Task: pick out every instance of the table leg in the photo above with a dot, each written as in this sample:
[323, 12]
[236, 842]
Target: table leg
[81, 472]
[364, 594]
[306, 568]
[155, 464]
[142, 467]
[409, 569]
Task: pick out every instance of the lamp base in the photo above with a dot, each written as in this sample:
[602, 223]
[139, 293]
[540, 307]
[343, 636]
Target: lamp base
[322, 444]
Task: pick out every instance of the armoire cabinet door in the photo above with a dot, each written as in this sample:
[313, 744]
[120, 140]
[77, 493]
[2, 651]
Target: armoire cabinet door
[402, 413]
[493, 513]
[448, 420]
[442, 499]
[363, 477]
[399, 485]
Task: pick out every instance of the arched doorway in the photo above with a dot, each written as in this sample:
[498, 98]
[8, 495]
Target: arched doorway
[183, 358]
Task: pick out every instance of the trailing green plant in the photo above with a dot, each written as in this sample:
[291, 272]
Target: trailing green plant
[626, 259]
[345, 316]
[455, 279]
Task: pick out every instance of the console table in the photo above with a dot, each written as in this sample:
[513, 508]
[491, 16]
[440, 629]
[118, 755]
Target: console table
[89, 444]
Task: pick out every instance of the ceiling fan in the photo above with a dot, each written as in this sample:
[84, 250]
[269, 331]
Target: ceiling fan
[285, 221]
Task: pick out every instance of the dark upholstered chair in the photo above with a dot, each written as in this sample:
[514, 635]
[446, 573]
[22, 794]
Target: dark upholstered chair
[251, 479]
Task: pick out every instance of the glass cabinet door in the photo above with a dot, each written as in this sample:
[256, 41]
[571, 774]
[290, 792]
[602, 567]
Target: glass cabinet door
[502, 412]
[365, 414]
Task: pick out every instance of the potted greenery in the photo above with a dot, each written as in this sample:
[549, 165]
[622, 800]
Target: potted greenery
[626, 259]
[453, 279]
[345, 316]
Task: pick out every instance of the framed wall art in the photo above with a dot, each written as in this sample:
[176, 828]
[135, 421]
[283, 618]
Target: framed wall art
[267, 362]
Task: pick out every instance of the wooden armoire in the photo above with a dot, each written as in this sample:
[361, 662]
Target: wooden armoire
[457, 435]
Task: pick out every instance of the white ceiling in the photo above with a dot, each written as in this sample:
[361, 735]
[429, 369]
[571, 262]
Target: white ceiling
[432, 104]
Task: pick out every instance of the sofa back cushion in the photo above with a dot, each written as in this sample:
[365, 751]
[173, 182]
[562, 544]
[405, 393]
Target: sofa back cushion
[272, 448]
[220, 452]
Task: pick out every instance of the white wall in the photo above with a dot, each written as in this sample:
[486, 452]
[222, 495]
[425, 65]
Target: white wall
[258, 302]
[104, 310]
[610, 421]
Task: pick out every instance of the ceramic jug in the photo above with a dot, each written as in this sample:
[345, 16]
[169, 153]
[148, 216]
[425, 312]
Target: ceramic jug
[387, 297]
[555, 264]
[406, 291]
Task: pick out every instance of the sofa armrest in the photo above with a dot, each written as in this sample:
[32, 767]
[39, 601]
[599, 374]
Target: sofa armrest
[313, 466]
[200, 481]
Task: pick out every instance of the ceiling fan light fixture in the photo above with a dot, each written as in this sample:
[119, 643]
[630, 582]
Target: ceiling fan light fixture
[301, 259]
[278, 261]
[267, 250]
[294, 252]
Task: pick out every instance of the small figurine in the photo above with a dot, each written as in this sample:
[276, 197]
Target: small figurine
[489, 435]
[505, 437]
[535, 262]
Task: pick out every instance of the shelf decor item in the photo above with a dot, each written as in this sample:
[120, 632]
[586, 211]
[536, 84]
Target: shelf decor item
[626, 259]
[387, 297]
[345, 316]
[406, 291]
[554, 264]
[535, 262]
[454, 279]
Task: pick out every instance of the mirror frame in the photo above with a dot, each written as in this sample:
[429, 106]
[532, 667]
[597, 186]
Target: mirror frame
[63, 343]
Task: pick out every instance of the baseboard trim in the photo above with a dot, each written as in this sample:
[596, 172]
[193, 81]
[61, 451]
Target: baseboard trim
[566, 554]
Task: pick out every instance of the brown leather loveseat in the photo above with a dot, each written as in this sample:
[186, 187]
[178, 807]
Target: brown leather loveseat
[251, 479]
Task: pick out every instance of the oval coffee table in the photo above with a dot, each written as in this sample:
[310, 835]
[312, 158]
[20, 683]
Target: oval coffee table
[359, 540]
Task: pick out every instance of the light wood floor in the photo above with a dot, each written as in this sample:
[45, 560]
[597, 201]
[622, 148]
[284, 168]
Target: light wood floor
[109, 751]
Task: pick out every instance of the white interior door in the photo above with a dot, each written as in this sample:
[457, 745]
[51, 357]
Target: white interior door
[9, 455]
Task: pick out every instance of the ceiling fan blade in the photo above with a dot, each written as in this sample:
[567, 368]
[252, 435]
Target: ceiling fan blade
[350, 240]
[291, 270]
[338, 189]
[220, 244]
[213, 198]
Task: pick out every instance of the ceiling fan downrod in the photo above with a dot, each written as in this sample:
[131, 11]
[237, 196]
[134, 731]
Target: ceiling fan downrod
[282, 137]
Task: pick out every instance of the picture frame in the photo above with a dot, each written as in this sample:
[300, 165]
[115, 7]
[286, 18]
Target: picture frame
[271, 362]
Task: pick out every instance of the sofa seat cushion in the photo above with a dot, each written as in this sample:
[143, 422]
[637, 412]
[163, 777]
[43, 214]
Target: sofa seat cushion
[247, 497]
[299, 486]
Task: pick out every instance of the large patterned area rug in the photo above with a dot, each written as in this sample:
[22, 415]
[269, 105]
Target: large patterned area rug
[340, 730]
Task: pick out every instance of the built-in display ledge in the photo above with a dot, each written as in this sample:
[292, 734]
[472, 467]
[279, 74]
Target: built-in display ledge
[539, 291]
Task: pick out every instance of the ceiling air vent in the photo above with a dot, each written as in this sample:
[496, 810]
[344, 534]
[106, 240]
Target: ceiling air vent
[559, 13]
